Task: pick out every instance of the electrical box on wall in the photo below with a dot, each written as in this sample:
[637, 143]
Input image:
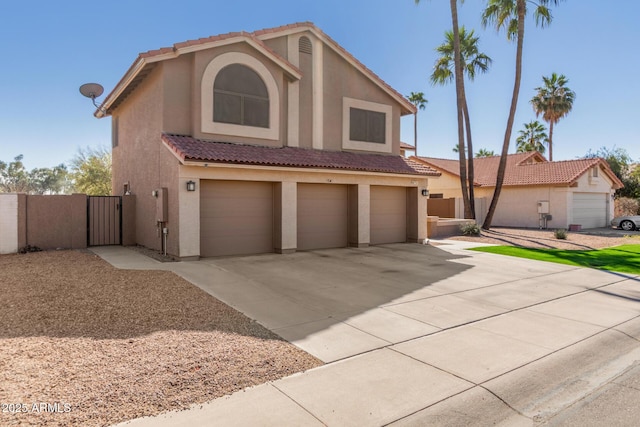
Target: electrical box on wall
[162, 206]
[543, 207]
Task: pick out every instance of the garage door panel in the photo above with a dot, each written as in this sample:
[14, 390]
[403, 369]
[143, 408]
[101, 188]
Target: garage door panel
[322, 216]
[388, 215]
[236, 217]
[590, 209]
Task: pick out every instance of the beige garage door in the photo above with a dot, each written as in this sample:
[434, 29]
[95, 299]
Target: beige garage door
[388, 215]
[322, 216]
[590, 209]
[236, 217]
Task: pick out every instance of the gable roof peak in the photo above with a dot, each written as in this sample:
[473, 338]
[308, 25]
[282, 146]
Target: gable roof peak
[145, 61]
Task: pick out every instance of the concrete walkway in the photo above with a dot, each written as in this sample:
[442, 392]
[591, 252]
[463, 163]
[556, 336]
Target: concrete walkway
[418, 335]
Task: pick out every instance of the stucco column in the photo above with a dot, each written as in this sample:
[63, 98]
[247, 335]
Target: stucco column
[286, 217]
[189, 219]
[359, 215]
[416, 215]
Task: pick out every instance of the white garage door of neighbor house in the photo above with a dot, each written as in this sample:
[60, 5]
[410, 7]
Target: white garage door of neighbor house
[322, 216]
[236, 217]
[590, 209]
[388, 215]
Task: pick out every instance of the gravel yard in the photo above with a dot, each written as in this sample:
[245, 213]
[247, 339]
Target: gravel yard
[83, 343]
[545, 239]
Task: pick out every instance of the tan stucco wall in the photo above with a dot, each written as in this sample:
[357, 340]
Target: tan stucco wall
[359, 226]
[144, 162]
[178, 94]
[518, 206]
[448, 185]
[341, 80]
[57, 221]
[128, 220]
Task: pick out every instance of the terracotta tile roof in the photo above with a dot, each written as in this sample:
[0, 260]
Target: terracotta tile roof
[524, 169]
[141, 66]
[406, 146]
[188, 148]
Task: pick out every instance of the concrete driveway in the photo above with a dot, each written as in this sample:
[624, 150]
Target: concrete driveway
[417, 335]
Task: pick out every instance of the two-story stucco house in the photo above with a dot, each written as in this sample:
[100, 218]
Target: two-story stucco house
[272, 141]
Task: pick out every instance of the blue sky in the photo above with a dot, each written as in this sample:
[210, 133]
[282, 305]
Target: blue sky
[51, 48]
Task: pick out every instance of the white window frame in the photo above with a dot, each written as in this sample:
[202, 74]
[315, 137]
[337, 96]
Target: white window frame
[206, 96]
[348, 143]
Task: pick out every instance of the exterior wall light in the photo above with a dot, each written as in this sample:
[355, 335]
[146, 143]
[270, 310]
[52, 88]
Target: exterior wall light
[425, 192]
[191, 186]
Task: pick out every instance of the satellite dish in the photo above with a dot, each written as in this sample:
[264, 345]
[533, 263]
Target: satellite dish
[91, 90]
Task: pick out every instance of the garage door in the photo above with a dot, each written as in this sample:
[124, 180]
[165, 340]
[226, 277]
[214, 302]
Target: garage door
[236, 217]
[590, 209]
[322, 216]
[388, 215]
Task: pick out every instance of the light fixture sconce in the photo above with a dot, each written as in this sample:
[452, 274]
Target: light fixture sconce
[425, 192]
[191, 186]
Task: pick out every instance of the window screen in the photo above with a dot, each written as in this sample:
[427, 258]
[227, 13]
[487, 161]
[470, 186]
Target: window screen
[367, 126]
[240, 97]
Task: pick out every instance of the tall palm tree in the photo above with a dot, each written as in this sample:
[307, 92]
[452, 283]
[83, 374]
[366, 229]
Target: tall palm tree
[554, 101]
[472, 60]
[417, 99]
[460, 97]
[532, 138]
[510, 16]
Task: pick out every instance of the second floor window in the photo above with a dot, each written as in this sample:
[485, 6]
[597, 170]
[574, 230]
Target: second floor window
[367, 126]
[240, 97]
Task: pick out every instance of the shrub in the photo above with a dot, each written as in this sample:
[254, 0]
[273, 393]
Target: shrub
[470, 229]
[626, 206]
[560, 234]
[29, 248]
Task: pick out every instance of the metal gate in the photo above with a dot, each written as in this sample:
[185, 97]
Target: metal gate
[104, 220]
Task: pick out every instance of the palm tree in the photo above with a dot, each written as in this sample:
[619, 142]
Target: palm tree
[483, 152]
[472, 60]
[417, 99]
[510, 15]
[532, 138]
[554, 101]
[460, 97]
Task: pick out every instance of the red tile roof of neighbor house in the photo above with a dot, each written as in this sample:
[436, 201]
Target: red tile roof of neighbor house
[146, 60]
[192, 149]
[406, 146]
[524, 169]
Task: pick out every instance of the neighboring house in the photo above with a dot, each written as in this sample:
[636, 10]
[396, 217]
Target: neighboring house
[271, 141]
[404, 147]
[572, 192]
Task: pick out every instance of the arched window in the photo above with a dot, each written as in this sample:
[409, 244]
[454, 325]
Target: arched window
[240, 97]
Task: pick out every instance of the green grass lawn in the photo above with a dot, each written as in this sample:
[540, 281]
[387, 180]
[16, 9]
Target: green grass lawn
[623, 259]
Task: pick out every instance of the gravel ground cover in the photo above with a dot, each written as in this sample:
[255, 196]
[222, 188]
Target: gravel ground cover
[83, 343]
[533, 238]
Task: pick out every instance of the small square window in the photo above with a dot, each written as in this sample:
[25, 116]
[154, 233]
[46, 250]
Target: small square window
[367, 126]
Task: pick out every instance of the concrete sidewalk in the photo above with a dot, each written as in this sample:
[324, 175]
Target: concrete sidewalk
[475, 338]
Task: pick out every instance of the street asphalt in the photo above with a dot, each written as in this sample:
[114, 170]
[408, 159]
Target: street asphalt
[416, 335]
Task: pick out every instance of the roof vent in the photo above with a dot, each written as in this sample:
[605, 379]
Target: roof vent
[304, 45]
